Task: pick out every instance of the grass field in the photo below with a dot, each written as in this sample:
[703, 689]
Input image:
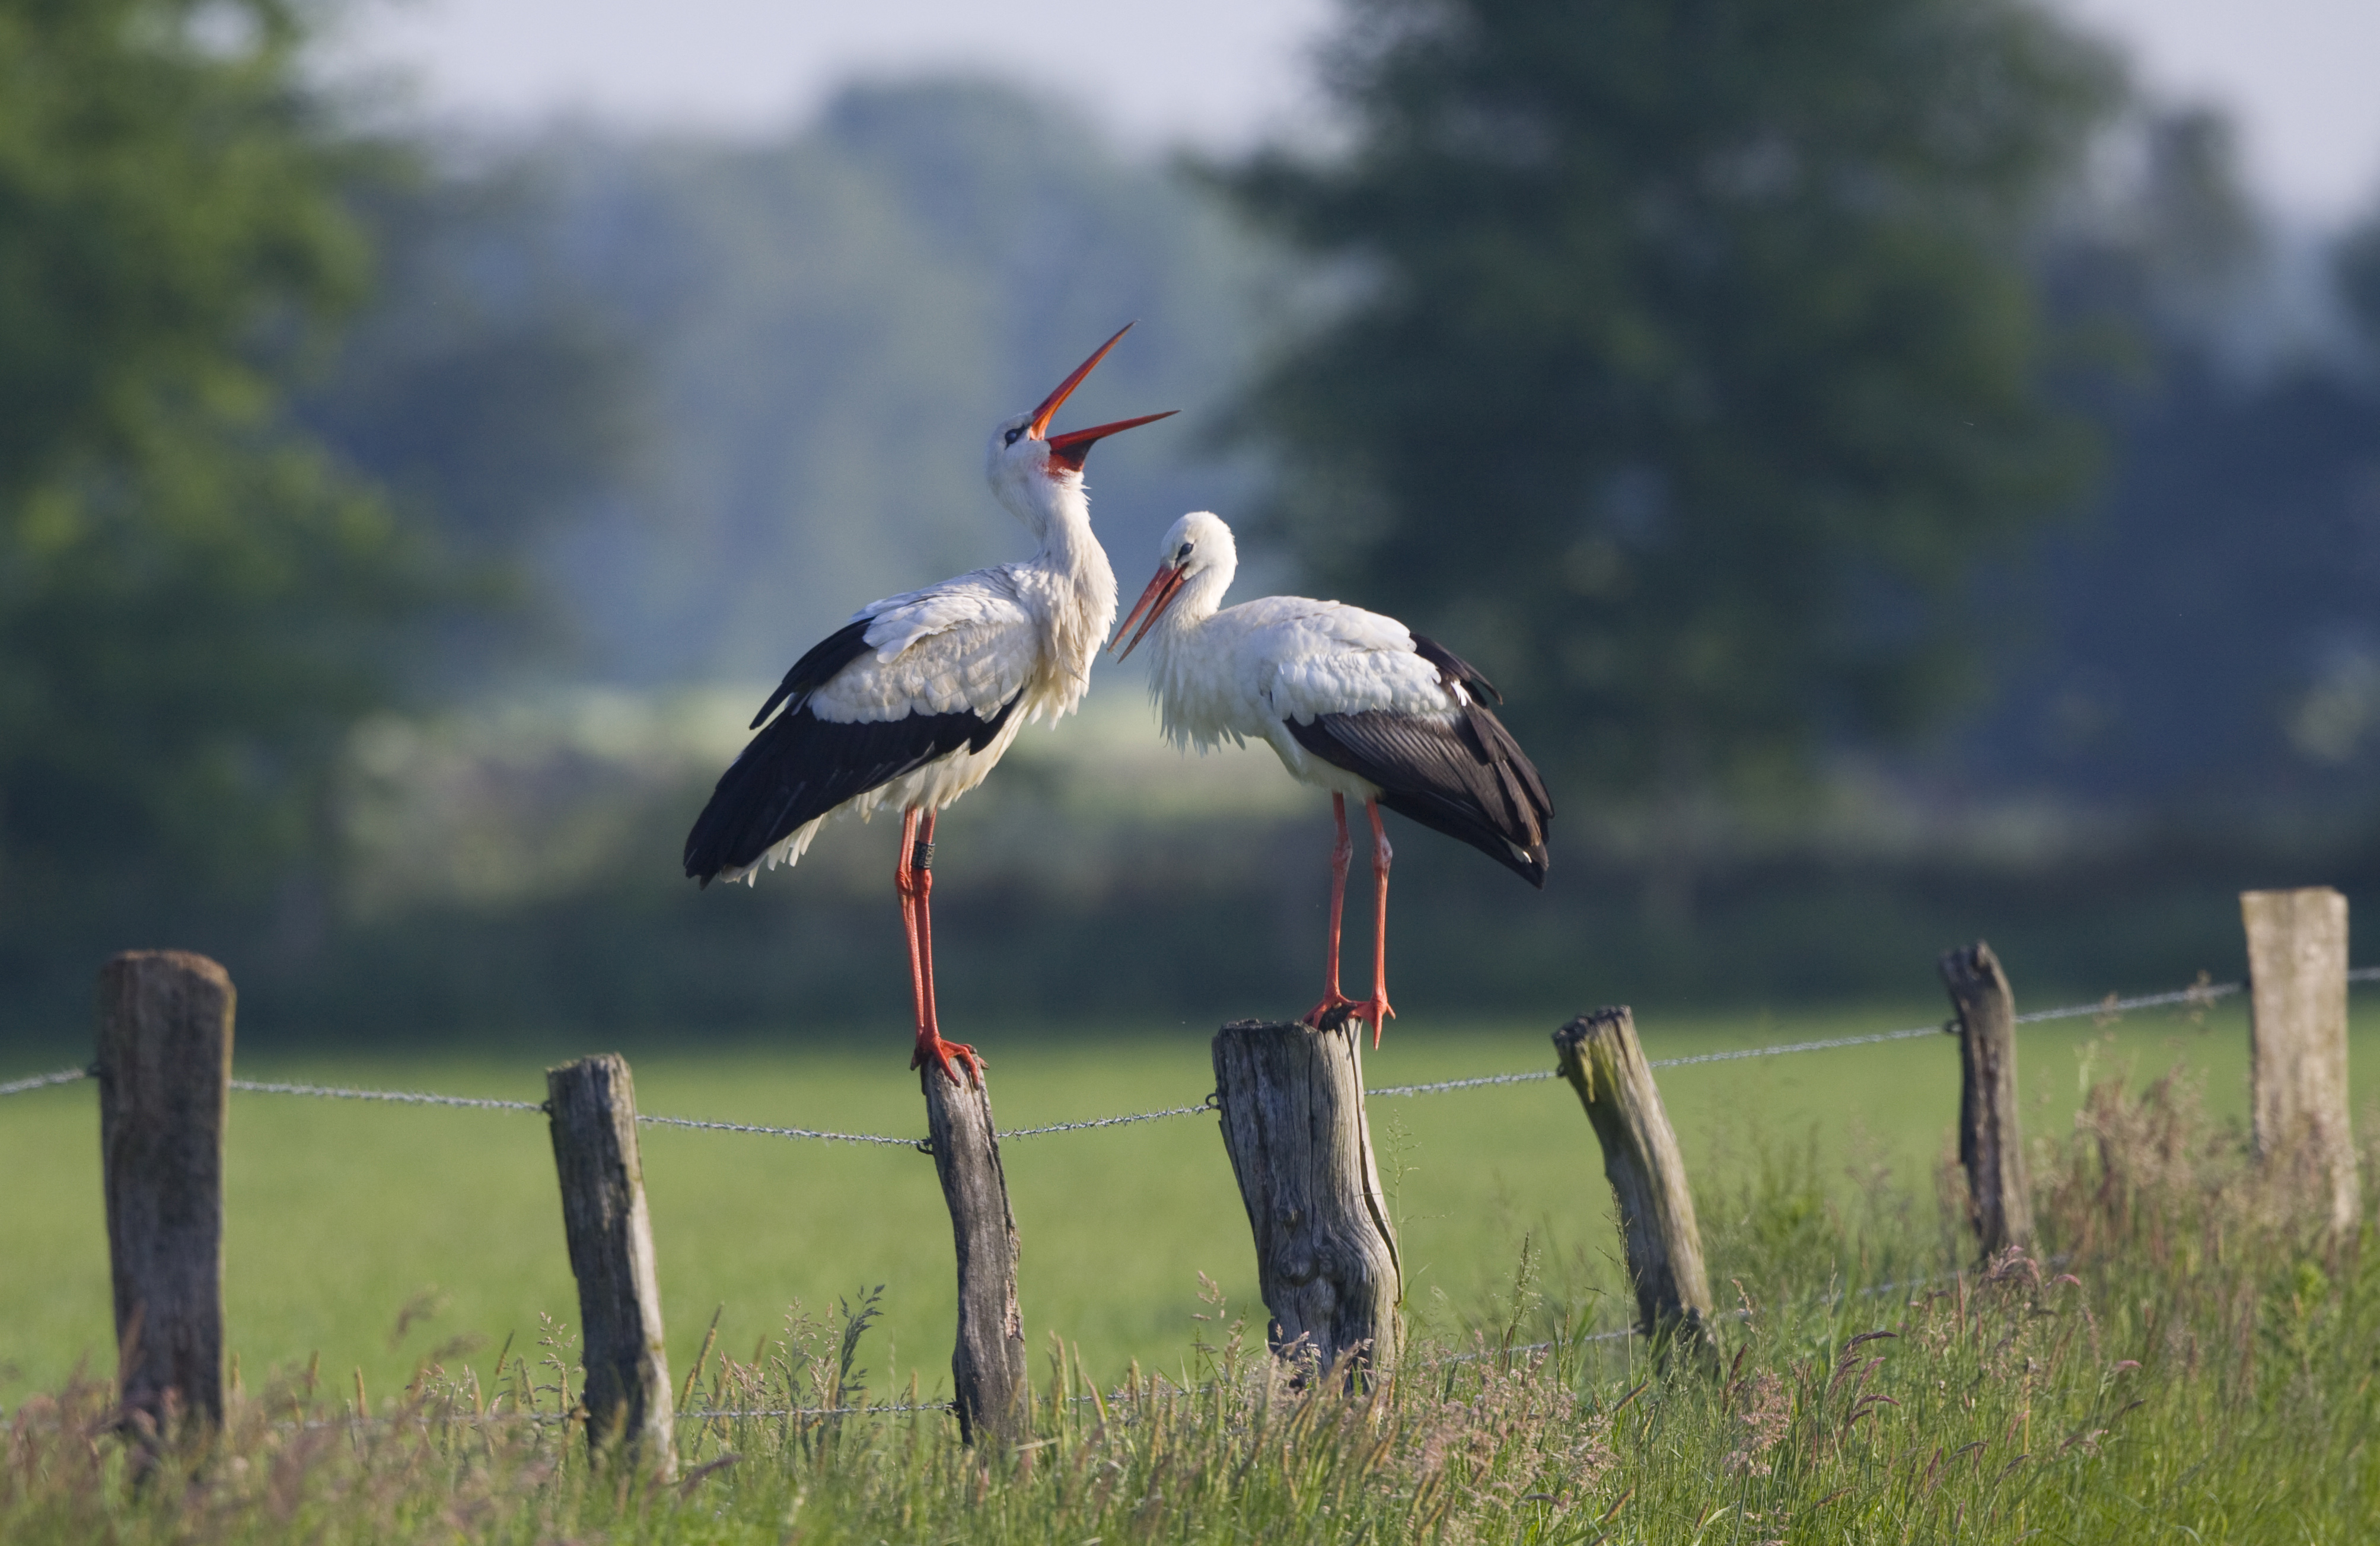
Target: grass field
[341, 1214]
[2185, 1361]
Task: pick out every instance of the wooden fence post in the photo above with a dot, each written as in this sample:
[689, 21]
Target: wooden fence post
[164, 1079]
[1293, 1124]
[1600, 1057]
[2296, 1038]
[989, 1377]
[591, 1107]
[1991, 1142]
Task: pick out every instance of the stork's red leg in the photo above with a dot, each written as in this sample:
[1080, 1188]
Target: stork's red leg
[904, 883]
[1376, 1008]
[1330, 1012]
[917, 854]
[922, 856]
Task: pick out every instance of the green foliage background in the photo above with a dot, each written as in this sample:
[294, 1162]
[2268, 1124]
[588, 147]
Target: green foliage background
[396, 528]
[195, 601]
[1690, 359]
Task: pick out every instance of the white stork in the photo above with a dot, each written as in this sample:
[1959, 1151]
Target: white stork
[1351, 703]
[911, 703]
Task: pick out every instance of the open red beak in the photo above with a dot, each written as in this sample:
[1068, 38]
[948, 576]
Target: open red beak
[1069, 449]
[1162, 588]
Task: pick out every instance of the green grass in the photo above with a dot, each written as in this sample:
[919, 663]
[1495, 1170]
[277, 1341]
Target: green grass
[2182, 1363]
[342, 1213]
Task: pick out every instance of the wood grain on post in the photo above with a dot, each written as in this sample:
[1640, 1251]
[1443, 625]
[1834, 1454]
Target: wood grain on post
[989, 1377]
[1293, 1124]
[164, 1079]
[1600, 1057]
[591, 1107]
[2297, 984]
[1991, 1142]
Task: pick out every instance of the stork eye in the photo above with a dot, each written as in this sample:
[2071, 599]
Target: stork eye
[1010, 439]
[1182, 556]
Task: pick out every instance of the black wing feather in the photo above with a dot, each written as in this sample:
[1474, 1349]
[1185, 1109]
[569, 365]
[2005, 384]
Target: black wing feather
[1453, 667]
[817, 668]
[1467, 778]
[800, 767]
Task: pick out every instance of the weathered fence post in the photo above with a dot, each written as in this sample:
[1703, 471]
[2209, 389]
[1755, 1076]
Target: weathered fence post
[164, 1078]
[591, 1107]
[989, 1377]
[2297, 1036]
[1600, 1057]
[1293, 1124]
[1991, 1143]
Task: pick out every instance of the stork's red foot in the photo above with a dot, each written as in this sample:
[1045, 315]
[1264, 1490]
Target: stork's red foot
[931, 1046]
[1376, 1013]
[1335, 1010]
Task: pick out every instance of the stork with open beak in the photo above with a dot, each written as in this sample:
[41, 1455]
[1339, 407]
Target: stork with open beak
[911, 703]
[1351, 703]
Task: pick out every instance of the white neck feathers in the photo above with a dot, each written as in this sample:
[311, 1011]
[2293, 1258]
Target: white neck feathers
[1191, 677]
[1081, 597]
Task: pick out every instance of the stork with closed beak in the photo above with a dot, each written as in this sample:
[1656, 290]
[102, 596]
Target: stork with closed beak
[911, 703]
[1351, 703]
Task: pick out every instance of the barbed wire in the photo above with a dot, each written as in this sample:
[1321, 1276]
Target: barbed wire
[1461, 1084]
[1825, 1044]
[2198, 994]
[401, 1097]
[423, 1098]
[776, 1132]
[892, 1408]
[1209, 1103]
[548, 1419]
[39, 1081]
[1542, 1074]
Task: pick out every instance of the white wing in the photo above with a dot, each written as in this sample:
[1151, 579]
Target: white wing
[968, 644]
[1313, 658]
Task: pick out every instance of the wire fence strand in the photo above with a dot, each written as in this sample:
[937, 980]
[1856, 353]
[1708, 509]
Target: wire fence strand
[1824, 1044]
[1207, 1105]
[1475, 1083]
[777, 1132]
[41, 1082]
[401, 1097]
[2197, 995]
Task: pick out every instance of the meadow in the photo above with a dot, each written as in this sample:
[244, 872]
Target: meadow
[2179, 1362]
[367, 1238]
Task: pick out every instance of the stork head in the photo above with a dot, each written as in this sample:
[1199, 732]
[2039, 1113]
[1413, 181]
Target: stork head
[1198, 556]
[1028, 465]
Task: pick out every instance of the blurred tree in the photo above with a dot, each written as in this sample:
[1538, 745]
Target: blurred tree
[831, 321]
[194, 600]
[484, 384]
[1689, 357]
[2206, 642]
[2158, 254]
[2358, 267]
[490, 391]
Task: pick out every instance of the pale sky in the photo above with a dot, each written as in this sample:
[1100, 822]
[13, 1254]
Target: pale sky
[2303, 77]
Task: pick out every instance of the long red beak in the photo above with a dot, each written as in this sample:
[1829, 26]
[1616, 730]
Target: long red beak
[1040, 427]
[1162, 588]
[1069, 449]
